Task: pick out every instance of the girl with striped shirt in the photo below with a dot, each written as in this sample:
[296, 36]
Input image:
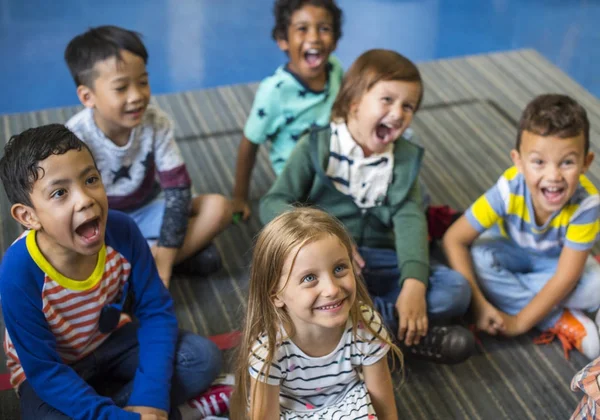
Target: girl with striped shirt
[313, 346]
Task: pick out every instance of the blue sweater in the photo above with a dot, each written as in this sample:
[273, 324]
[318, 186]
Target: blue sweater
[37, 351]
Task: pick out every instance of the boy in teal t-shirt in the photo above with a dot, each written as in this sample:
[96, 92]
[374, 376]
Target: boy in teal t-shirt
[299, 95]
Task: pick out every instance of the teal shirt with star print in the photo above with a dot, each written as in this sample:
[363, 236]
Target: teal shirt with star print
[284, 108]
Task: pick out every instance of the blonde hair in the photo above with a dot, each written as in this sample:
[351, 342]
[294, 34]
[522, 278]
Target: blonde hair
[288, 232]
[371, 67]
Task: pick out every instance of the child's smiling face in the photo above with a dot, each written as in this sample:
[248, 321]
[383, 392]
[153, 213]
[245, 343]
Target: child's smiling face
[551, 166]
[317, 287]
[382, 114]
[310, 40]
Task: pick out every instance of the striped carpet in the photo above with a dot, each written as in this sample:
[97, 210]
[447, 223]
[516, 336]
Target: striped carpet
[467, 125]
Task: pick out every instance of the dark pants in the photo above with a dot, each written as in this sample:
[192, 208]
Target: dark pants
[448, 293]
[110, 369]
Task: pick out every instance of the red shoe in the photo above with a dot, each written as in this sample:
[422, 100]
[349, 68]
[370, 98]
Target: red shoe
[574, 329]
[213, 402]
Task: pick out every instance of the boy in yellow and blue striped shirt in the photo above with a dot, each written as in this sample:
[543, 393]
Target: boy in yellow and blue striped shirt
[531, 233]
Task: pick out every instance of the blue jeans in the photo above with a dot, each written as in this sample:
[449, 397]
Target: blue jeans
[110, 369]
[448, 294]
[510, 277]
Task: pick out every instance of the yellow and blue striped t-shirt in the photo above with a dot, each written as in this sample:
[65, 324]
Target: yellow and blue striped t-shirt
[508, 205]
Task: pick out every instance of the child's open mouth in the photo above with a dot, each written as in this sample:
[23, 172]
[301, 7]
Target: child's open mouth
[385, 132]
[90, 230]
[553, 195]
[313, 58]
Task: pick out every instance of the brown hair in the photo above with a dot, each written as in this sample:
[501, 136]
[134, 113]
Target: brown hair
[288, 232]
[555, 115]
[368, 69]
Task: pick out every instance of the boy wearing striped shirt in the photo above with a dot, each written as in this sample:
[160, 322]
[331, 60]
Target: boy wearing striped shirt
[532, 266]
[68, 287]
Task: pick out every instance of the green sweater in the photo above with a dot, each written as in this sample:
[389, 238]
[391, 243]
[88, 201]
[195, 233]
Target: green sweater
[399, 223]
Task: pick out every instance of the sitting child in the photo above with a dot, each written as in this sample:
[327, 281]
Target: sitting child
[586, 381]
[532, 266]
[313, 347]
[70, 286]
[134, 146]
[299, 95]
[361, 170]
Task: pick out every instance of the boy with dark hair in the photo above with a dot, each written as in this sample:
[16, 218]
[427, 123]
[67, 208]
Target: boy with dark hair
[70, 286]
[134, 145]
[299, 95]
[532, 267]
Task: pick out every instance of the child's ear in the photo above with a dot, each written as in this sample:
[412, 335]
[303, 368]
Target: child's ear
[278, 302]
[283, 44]
[86, 96]
[26, 216]
[589, 158]
[516, 158]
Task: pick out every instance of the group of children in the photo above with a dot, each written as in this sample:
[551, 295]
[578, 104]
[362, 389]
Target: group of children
[341, 273]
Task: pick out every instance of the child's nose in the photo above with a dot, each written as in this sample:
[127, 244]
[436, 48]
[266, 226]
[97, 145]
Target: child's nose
[331, 287]
[313, 34]
[84, 201]
[397, 112]
[554, 173]
[135, 94]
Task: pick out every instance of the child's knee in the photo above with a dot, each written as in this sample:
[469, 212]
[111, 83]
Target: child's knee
[196, 353]
[218, 207]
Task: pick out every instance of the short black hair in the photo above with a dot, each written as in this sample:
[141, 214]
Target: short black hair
[284, 9]
[98, 44]
[555, 115]
[20, 165]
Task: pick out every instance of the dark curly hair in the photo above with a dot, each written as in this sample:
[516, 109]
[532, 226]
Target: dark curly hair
[284, 9]
[555, 115]
[20, 165]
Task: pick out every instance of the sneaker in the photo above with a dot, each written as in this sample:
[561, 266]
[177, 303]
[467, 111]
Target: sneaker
[443, 344]
[574, 329]
[448, 344]
[213, 402]
[204, 262]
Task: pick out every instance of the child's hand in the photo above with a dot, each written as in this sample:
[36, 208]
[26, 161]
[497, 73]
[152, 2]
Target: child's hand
[488, 318]
[148, 413]
[164, 258]
[512, 325]
[359, 262]
[412, 309]
[239, 205]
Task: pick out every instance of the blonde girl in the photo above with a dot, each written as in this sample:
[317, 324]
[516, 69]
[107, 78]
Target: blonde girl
[313, 347]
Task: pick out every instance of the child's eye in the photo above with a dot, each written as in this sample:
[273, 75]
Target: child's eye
[121, 88]
[386, 100]
[58, 193]
[568, 162]
[301, 28]
[408, 108]
[143, 83]
[309, 278]
[325, 28]
[92, 180]
[340, 269]
[537, 161]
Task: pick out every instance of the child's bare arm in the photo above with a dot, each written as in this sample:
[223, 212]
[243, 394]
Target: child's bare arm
[378, 381]
[246, 159]
[264, 401]
[570, 267]
[457, 242]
